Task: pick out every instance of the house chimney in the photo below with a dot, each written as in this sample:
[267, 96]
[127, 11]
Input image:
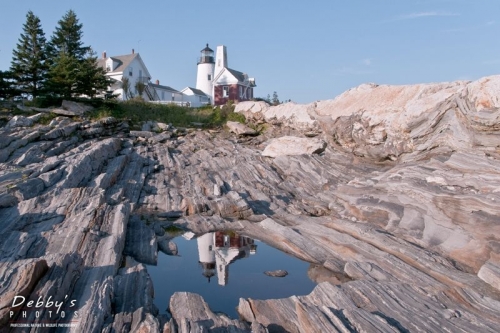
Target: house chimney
[158, 82]
[133, 51]
[104, 55]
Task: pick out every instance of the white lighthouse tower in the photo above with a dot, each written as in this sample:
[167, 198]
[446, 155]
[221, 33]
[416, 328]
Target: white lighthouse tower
[206, 65]
[206, 253]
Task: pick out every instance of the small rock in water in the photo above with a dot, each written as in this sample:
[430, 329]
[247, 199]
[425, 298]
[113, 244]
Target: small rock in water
[277, 273]
[168, 247]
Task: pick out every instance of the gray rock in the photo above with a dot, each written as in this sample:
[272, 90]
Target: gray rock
[141, 242]
[20, 121]
[190, 311]
[163, 126]
[168, 247]
[276, 273]
[70, 108]
[28, 189]
[160, 138]
[401, 207]
[141, 134]
[107, 121]
[7, 200]
[240, 129]
[132, 312]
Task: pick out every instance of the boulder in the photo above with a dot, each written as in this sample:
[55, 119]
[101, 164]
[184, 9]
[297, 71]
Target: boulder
[193, 314]
[141, 243]
[168, 247]
[490, 273]
[240, 129]
[70, 108]
[141, 134]
[29, 188]
[251, 106]
[19, 121]
[290, 145]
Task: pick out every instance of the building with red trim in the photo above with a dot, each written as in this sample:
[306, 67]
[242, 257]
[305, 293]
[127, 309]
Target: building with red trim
[219, 82]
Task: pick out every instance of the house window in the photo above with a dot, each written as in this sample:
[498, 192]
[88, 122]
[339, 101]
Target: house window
[173, 97]
[162, 95]
[108, 69]
[241, 92]
[140, 73]
[225, 91]
[209, 77]
[200, 98]
[130, 72]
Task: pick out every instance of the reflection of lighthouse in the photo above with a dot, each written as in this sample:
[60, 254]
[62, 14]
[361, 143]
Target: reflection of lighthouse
[218, 250]
[206, 254]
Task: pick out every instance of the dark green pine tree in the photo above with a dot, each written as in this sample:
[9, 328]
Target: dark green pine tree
[29, 62]
[63, 76]
[74, 68]
[8, 88]
[91, 79]
[275, 100]
[67, 38]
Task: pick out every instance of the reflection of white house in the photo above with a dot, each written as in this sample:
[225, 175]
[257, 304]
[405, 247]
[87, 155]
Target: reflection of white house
[218, 250]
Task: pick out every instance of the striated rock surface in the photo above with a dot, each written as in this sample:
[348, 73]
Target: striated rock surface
[290, 145]
[240, 129]
[398, 216]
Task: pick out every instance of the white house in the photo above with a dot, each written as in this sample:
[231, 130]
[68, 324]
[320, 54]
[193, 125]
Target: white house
[166, 94]
[132, 67]
[195, 97]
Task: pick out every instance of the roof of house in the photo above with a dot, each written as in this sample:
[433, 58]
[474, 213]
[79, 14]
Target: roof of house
[197, 91]
[159, 86]
[123, 62]
[239, 75]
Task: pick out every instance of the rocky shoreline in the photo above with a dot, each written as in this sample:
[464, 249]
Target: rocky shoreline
[393, 189]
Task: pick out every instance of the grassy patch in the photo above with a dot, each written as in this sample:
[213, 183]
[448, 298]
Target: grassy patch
[173, 229]
[138, 111]
[46, 118]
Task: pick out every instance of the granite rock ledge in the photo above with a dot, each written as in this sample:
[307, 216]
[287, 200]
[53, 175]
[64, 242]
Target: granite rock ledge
[401, 205]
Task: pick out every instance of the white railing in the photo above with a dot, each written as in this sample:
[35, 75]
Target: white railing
[179, 103]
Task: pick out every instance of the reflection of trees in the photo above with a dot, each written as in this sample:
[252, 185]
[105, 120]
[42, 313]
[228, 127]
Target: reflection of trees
[217, 250]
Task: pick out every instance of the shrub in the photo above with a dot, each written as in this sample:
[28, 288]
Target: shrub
[138, 111]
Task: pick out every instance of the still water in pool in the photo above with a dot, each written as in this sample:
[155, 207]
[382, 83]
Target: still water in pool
[224, 266]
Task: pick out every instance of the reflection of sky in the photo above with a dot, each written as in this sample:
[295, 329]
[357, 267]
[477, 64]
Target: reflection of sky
[246, 277]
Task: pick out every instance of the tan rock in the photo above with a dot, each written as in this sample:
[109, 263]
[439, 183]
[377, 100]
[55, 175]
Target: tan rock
[289, 145]
[490, 273]
[239, 128]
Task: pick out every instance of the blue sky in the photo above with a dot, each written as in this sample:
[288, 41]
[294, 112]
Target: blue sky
[304, 50]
